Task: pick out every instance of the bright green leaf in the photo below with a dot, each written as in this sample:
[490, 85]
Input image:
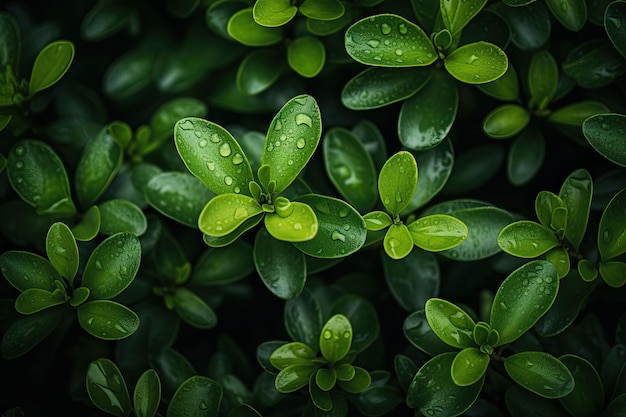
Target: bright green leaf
[545, 204]
[359, 382]
[322, 9]
[437, 232]
[523, 297]
[526, 239]
[294, 353]
[613, 273]
[450, 323]
[543, 79]
[540, 373]
[224, 213]
[417, 331]
[469, 366]
[107, 319]
[107, 389]
[244, 29]
[576, 193]
[62, 250]
[300, 225]
[306, 55]
[294, 377]
[219, 242]
[377, 220]
[50, 65]
[505, 121]
[477, 63]
[273, 13]
[456, 14]
[89, 225]
[408, 46]
[398, 241]
[559, 257]
[325, 378]
[397, 181]
[336, 338]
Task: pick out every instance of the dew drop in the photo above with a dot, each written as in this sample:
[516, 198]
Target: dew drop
[300, 100]
[346, 334]
[297, 226]
[399, 52]
[197, 133]
[607, 236]
[472, 58]
[240, 213]
[385, 29]
[615, 21]
[186, 125]
[337, 235]
[343, 212]
[301, 143]
[215, 138]
[278, 125]
[19, 165]
[225, 149]
[605, 126]
[211, 166]
[564, 6]
[203, 405]
[237, 158]
[373, 43]
[228, 180]
[328, 334]
[99, 266]
[304, 119]
[202, 143]
[402, 29]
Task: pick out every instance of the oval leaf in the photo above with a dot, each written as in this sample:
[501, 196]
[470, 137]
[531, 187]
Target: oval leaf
[258, 71]
[505, 121]
[147, 394]
[299, 226]
[244, 29]
[602, 131]
[389, 40]
[26, 333]
[437, 232]
[62, 250]
[397, 181]
[614, 17]
[38, 176]
[33, 300]
[226, 212]
[413, 279]
[193, 309]
[107, 389]
[294, 377]
[294, 353]
[119, 215]
[540, 373]
[576, 193]
[197, 396]
[336, 338]
[11, 42]
[89, 225]
[112, 266]
[303, 319]
[543, 79]
[572, 14]
[215, 265]
[587, 397]
[50, 65]
[398, 241]
[526, 156]
[426, 118]
[107, 319]
[272, 13]
[450, 323]
[523, 297]
[477, 63]
[306, 55]
[212, 155]
[469, 366]
[24, 270]
[457, 13]
[526, 239]
[612, 229]
[292, 138]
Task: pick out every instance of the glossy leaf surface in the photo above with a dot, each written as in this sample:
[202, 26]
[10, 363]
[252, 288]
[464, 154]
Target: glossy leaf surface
[244, 29]
[398, 241]
[294, 353]
[571, 13]
[602, 131]
[50, 65]
[540, 373]
[306, 55]
[437, 232]
[62, 250]
[450, 323]
[224, 213]
[456, 14]
[215, 266]
[526, 239]
[526, 156]
[397, 181]
[258, 71]
[26, 333]
[107, 319]
[477, 63]
[587, 397]
[193, 309]
[106, 387]
[118, 215]
[366, 42]
[303, 319]
[543, 78]
[147, 394]
[33, 300]
[272, 13]
[469, 366]
[24, 270]
[197, 396]
[505, 121]
[322, 9]
[523, 297]
[300, 225]
[576, 193]
[612, 229]
[336, 338]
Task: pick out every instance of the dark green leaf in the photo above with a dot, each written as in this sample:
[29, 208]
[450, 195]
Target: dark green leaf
[450, 323]
[434, 391]
[487, 26]
[358, 383]
[212, 155]
[306, 55]
[107, 389]
[11, 42]
[602, 131]
[373, 140]
[456, 13]
[193, 309]
[303, 319]
[467, 175]
[62, 250]
[540, 373]
[426, 118]
[147, 394]
[613, 273]
[198, 396]
[594, 64]
[526, 239]
[417, 330]
[112, 266]
[612, 229]
[477, 63]
[524, 296]
[26, 333]
[243, 28]
[363, 318]
[576, 193]
[526, 156]
[258, 71]
[104, 20]
[587, 398]
[280, 265]
[107, 319]
[572, 14]
[559, 257]
[407, 46]
[413, 279]
[24, 270]
[215, 265]
[50, 65]
[505, 88]
[119, 215]
[34, 300]
[378, 87]
[543, 79]
[614, 17]
[79, 296]
[325, 378]
[530, 25]
[37, 174]
[587, 270]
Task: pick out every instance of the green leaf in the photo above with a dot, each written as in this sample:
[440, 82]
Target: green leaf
[350, 168]
[50, 65]
[450, 323]
[11, 41]
[435, 165]
[363, 317]
[433, 391]
[345, 372]
[456, 13]
[281, 266]
[79, 296]
[602, 131]
[62, 250]
[294, 353]
[258, 71]
[397, 181]
[325, 378]
[215, 265]
[572, 14]
[587, 397]
[377, 220]
[359, 383]
[543, 79]
[417, 331]
[218, 242]
[34, 300]
[546, 203]
[198, 396]
[426, 118]
[212, 155]
[303, 318]
[112, 266]
[587, 270]
[437, 232]
[576, 193]
[594, 64]
[378, 87]
[147, 394]
[300, 225]
[294, 377]
[613, 273]
[117, 215]
[273, 13]
[371, 136]
[526, 156]
[505, 88]
[523, 297]
[612, 228]
[541, 373]
[26, 333]
[104, 20]
[25, 270]
[99, 163]
[398, 242]
[413, 279]
[467, 175]
[306, 55]
[322, 9]
[328, 27]
[408, 46]
[442, 39]
[469, 366]
[559, 257]
[477, 63]
[243, 28]
[526, 239]
[292, 138]
[107, 389]
[224, 213]
[336, 338]
[341, 231]
[530, 25]
[614, 16]
[107, 319]
[38, 176]
[193, 309]
[505, 121]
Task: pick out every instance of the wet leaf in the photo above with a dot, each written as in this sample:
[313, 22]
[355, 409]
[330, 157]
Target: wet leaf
[450, 323]
[224, 213]
[456, 14]
[272, 13]
[413, 279]
[294, 377]
[540, 373]
[34, 300]
[612, 229]
[437, 232]
[107, 389]
[300, 225]
[51, 64]
[530, 25]
[587, 397]
[62, 250]
[576, 193]
[118, 215]
[197, 396]
[397, 181]
[107, 320]
[335, 338]
[602, 131]
[24, 270]
[26, 333]
[594, 64]
[294, 353]
[303, 319]
[469, 366]
[526, 239]
[244, 29]
[417, 331]
[477, 63]
[572, 14]
[398, 241]
[147, 394]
